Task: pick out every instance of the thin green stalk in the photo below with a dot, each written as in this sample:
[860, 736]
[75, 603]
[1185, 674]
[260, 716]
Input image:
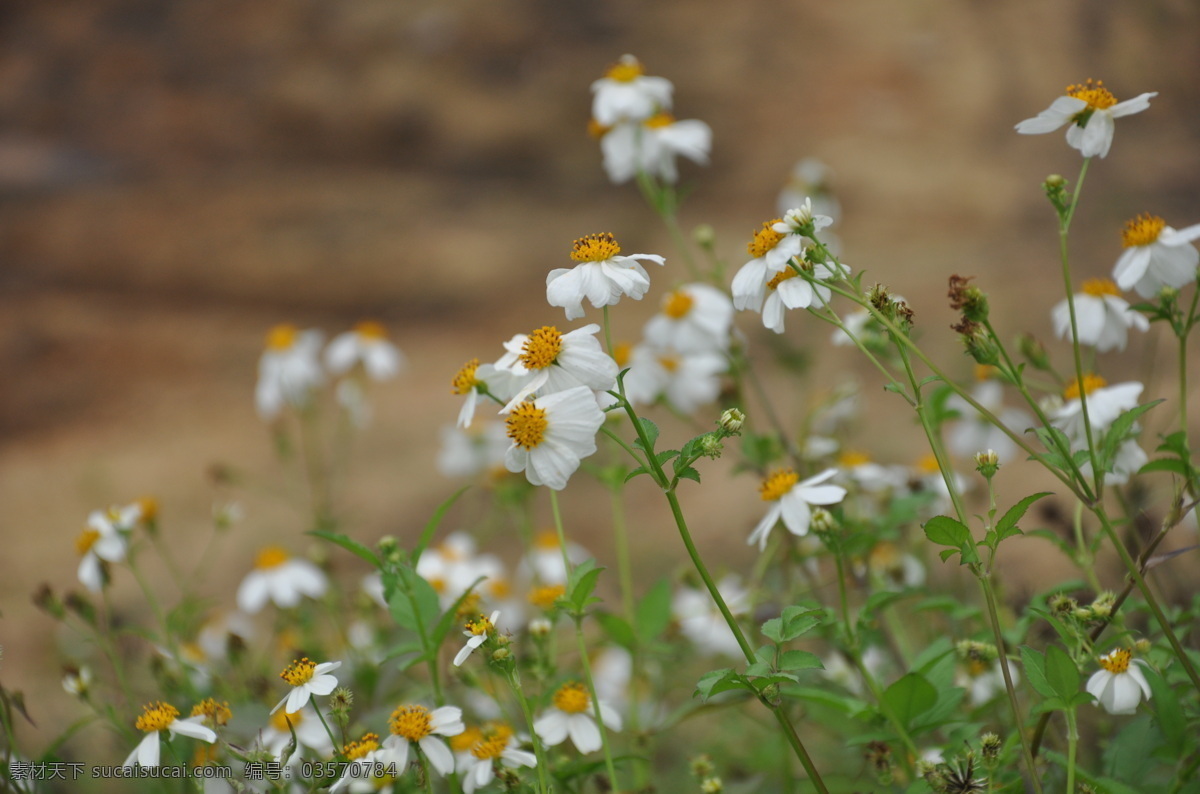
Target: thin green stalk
[1072, 744]
[425, 769]
[325, 725]
[514, 682]
[1084, 557]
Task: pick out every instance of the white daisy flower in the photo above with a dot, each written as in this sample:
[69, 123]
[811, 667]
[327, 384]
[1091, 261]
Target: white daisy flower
[365, 756]
[972, 433]
[496, 742]
[221, 630]
[982, 681]
[1156, 256]
[366, 344]
[1090, 109]
[158, 717]
[571, 715]
[771, 249]
[544, 560]
[694, 318]
[77, 681]
[651, 146]
[802, 220]
[1105, 404]
[685, 380]
[550, 435]
[288, 371]
[602, 275]
[612, 670]
[475, 381]
[1119, 684]
[625, 93]
[103, 540]
[307, 678]
[548, 361]
[280, 578]
[787, 290]
[857, 468]
[809, 182]
[701, 620]
[1129, 459]
[838, 669]
[477, 632]
[276, 737]
[472, 452]
[1102, 316]
[894, 569]
[793, 500]
[418, 725]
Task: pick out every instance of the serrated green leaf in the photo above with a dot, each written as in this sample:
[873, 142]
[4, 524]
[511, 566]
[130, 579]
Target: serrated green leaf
[1173, 465]
[799, 620]
[689, 474]
[650, 430]
[1062, 674]
[800, 660]
[582, 582]
[910, 697]
[1035, 670]
[1007, 525]
[716, 681]
[665, 455]
[636, 472]
[411, 600]
[347, 543]
[946, 531]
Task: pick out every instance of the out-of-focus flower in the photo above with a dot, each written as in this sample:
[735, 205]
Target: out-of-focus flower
[972, 432]
[685, 380]
[474, 381]
[1156, 256]
[102, 541]
[809, 180]
[894, 569]
[471, 452]
[1101, 314]
[701, 621]
[158, 717]
[1105, 403]
[792, 502]
[1119, 684]
[544, 560]
[280, 578]
[1089, 109]
[694, 318]
[364, 755]
[368, 345]
[276, 737]
[495, 742]
[601, 276]
[625, 93]
[651, 146]
[550, 435]
[289, 370]
[307, 678]
[571, 715]
[77, 681]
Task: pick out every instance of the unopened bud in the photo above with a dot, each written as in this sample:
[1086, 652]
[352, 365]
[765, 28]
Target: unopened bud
[540, 627]
[1142, 646]
[500, 654]
[704, 235]
[712, 785]
[987, 463]
[387, 545]
[1168, 293]
[990, 746]
[702, 766]
[711, 446]
[1055, 181]
[731, 421]
[822, 520]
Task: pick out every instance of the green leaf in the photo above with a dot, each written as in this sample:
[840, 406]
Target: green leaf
[650, 430]
[717, 681]
[582, 582]
[689, 474]
[946, 531]
[432, 525]
[636, 472]
[800, 660]
[910, 697]
[665, 455]
[412, 601]
[1007, 525]
[1035, 670]
[617, 628]
[653, 612]
[347, 543]
[1062, 674]
[1168, 711]
[799, 620]
[1172, 465]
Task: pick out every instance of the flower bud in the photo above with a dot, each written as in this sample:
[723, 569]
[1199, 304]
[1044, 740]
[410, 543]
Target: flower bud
[1034, 352]
[540, 627]
[731, 421]
[711, 446]
[990, 746]
[1142, 646]
[387, 545]
[822, 520]
[987, 463]
[704, 235]
[702, 766]
[712, 785]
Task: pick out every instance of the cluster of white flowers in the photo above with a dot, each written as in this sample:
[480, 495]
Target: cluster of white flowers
[631, 117]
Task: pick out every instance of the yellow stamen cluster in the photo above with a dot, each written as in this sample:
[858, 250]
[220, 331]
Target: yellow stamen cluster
[660, 119]
[480, 625]
[987, 371]
[677, 304]
[299, 672]
[1099, 287]
[596, 129]
[465, 380]
[544, 597]
[412, 722]
[281, 718]
[621, 353]
[356, 750]
[777, 484]
[463, 741]
[541, 347]
[1117, 661]
[271, 557]
[468, 607]
[492, 742]
[571, 698]
[149, 507]
[370, 329]
[765, 239]
[595, 248]
[499, 588]
[281, 337]
[669, 363]
[546, 540]
[976, 667]
[851, 458]
[86, 539]
[156, 717]
[211, 710]
[1090, 384]
[625, 70]
[1094, 93]
[527, 425]
[1142, 230]
[780, 277]
[928, 464]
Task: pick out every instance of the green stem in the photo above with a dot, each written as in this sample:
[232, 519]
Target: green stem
[514, 682]
[1072, 743]
[325, 725]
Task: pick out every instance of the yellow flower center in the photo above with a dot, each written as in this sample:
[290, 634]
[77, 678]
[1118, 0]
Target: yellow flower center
[541, 347]
[85, 541]
[1094, 93]
[492, 741]
[1142, 230]
[765, 239]
[677, 304]
[851, 458]
[527, 425]
[547, 540]
[282, 337]
[465, 380]
[299, 672]
[621, 352]
[986, 371]
[928, 464]
[271, 557]
[596, 129]
[356, 750]
[571, 698]
[479, 625]
[499, 588]
[149, 507]
[281, 718]
[661, 119]
[1090, 384]
[595, 248]
[468, 606]
[438, 584]
[625, 70]
[218, 713]
[411, 722]
[463, 741]
[1099, 287]
[1117, 661]
[976, 667]
[781, 276]
[778, 484]
[371, 330]
[545, 596]
[669, 363]
[156, 717]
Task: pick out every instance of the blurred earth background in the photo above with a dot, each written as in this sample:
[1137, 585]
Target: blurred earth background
[176, 178]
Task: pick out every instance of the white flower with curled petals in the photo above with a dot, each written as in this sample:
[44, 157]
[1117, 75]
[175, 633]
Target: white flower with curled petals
[368, 345]
[418, 725]
[159, 717]
[552, 434]
[650, 146]
[602, 275]
[571, 716]
[477, 632]
[1156, 256]
[280, 578]
[1119, 684]
[1105, 403]
[1090, 109]
[1102, 316]
[625, 93]
[547, 361]
[288, 371]
[307, 678]
[793, 500]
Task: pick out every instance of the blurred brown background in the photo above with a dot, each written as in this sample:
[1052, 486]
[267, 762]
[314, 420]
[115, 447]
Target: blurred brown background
[177, 177]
